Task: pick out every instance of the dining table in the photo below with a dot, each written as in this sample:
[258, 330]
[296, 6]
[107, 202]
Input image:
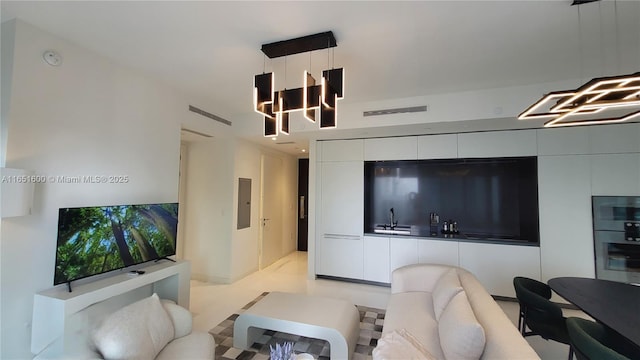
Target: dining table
[612, 303]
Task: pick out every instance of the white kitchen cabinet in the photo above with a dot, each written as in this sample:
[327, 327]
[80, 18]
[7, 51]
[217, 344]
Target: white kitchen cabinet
[376, 259]
[563, 141]
[403, 251]
[340, 219]
[342, 200]
[615, 174]
[392, 148]
[342, 256]
[618, 138]
[438, 252]
[438, 146]
[566, 236]
[496, 265]
[497, 144]
[341, 150]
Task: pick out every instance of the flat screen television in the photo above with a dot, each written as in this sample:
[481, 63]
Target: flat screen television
[96, 240]
[489, 198]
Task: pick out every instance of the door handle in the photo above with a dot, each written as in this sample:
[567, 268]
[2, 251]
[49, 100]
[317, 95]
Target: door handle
[302, 207]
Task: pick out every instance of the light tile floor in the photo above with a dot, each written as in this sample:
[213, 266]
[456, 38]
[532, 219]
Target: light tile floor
[212, 303]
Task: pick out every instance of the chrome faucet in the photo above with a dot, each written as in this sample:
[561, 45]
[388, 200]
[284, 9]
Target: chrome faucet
[392, 223]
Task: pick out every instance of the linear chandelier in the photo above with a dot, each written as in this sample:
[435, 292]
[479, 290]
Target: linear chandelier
[600, 101]
[276, 106]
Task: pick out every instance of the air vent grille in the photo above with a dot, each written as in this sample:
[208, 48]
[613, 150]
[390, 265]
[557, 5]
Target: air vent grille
[395, 111]
[285, 143]
[209, 115]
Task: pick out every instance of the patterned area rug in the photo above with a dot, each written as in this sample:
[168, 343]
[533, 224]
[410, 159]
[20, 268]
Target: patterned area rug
[371, 321]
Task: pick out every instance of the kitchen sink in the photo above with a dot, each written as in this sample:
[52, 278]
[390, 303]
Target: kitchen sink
[396, 230]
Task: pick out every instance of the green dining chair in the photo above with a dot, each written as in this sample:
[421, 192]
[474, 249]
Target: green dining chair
[538, 313]
[594, 341]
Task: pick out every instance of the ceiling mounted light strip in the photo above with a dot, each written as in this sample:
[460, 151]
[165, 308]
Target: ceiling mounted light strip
[275, 106]
[600, 101]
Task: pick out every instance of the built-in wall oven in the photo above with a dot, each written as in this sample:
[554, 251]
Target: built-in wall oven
[616, 236]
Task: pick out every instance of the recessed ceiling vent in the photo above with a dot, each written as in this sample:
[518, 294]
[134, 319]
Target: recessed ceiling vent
[395, 111]
[209, 115]
[285, 143]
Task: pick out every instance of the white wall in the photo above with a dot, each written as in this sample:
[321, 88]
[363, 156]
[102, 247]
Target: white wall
[208, 210]
[219, 252]
[245, 241]
[6, 63]
[88, 116]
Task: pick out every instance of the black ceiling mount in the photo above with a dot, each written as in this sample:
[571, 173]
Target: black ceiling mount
[580, 2]
[307, 43]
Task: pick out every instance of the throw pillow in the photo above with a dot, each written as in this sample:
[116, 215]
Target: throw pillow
[461, 335]
[181, 318]
[137, 331]
[446, 288]
[400, 344]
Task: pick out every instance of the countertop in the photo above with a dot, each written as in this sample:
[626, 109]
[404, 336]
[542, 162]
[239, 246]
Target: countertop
[423, 232]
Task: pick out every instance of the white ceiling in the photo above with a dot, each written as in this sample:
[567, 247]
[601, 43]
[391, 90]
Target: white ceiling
[210, 50]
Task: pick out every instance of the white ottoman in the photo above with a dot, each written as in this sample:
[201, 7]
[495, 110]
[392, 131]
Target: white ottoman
[334, 320]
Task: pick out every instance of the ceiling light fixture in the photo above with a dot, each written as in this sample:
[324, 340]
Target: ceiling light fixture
[275, 106]
[601, 100]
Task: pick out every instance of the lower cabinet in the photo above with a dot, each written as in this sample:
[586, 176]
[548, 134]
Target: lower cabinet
[376, 259]
[438, 252]
[373, 258]
[402, 251]
[341, 256]
[496, 265]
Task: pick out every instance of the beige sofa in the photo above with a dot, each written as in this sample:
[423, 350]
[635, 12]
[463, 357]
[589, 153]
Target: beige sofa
[149, 329]
[443, 312]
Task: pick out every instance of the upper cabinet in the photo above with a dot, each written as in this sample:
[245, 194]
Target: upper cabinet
[340, 150]
[563, 141]
[615, 174]
[438, 146]
[395, 148]
[497, 144]
[611, 139]
[342, 199]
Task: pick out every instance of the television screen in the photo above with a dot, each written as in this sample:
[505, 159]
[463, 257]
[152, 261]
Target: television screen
[95, 240]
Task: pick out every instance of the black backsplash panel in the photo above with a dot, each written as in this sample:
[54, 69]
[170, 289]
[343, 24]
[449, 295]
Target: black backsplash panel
[493, 197]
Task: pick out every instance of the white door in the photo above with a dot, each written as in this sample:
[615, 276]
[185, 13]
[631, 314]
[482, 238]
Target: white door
[270, 210]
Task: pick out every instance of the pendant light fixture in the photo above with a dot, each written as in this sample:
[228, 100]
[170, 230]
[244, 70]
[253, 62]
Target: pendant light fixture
[275, 106]
[601, 100]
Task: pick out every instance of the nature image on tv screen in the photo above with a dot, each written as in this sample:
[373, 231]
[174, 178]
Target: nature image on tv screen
[94, 240]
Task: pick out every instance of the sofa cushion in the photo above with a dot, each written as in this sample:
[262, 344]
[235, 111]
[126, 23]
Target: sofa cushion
[400, 344]
[504, 341]
[446, 288]
[413, 311]
[180, 317]
[461, 336]
[195, 346]
[137, 331]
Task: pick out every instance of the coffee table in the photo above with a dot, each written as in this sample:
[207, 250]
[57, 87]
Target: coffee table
[333, 320]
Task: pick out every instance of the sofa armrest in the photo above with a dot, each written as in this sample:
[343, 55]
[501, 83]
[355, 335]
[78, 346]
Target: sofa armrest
[417, 277]
[181, 318]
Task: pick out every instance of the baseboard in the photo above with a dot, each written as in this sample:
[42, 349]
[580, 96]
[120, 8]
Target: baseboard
[512, 299]
[210, 279]
[355, 281]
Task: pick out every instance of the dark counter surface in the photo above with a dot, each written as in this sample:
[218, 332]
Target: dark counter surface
[413, 231]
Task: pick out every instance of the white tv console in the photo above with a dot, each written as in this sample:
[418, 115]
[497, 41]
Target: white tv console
[58, 312]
